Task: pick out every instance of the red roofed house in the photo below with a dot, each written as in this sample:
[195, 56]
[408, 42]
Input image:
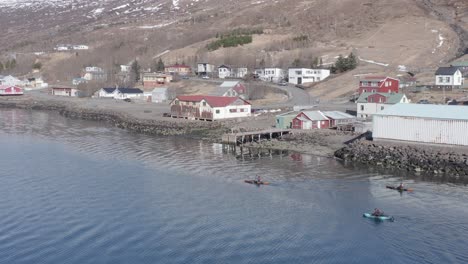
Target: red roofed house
[10, 90]
[180, 69]
[378, 84]
[204, 107]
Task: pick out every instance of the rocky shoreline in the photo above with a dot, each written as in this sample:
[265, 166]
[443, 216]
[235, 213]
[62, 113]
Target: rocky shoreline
[198, 130]
[433, 160]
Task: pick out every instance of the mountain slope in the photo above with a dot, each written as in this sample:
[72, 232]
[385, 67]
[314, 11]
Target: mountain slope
[388, 36]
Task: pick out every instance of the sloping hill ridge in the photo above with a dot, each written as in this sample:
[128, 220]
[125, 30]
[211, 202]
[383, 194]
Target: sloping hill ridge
[387, 36]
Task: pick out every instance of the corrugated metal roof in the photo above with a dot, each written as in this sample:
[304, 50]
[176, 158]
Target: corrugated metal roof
[392, 98]
[456, 112]
[337, 115]
[229, 84]
[160, 90]
[315, 115]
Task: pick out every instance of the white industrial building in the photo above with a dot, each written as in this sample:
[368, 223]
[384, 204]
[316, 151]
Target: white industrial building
[424, 123]
[304, 75]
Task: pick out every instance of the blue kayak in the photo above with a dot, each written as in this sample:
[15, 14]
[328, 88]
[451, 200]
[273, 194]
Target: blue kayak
[380, 217]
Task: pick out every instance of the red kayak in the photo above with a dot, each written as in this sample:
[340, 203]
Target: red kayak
[257, 182]
[399, 189]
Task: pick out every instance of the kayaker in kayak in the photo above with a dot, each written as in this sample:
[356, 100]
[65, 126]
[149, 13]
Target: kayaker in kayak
[400, 187]
[377, 212]
[258, 180]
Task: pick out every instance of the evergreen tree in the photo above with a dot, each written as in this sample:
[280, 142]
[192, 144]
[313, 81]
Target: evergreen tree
[13, 64]
[315, 62]
[321, 62]
[351, 62]
[37, 66]
[340, 64]
[160, 66]
[262, 63]
[1, 66]
[135, 70]
[7, 65]
[296, 63]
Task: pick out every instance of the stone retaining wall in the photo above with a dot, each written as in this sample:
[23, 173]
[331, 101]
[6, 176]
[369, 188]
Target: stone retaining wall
[427, 159]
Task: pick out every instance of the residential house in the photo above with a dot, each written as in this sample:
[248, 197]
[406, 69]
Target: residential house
[36, 82]
[423, 123]
[232, 89]
[124, 93]
[205, 69]
[462, 66]
[407, 82]
[285, 120]
[105, 93]
[378, 84]
[78, 81]
[154, 79]
[270, 74]
[204, 107]
[225, 71]
[10, 81]
[448, 77]
[80, 47]
[178, 69]
[125, 68]
[62, 47]
[10, 90]
[305, 75]
[321, 119]
[65, 91]
[371, 103]
[159, 95]
[95, 74]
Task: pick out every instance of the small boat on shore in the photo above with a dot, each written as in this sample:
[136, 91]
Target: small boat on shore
[379, 218]
[399, 189]
[256, 182]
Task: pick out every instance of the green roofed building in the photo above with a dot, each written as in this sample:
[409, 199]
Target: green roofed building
[371, 103]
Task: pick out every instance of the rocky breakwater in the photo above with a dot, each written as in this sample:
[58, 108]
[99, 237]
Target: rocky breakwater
[211, 131]
[415, 158]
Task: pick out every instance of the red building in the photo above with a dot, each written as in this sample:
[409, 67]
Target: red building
[378, 84]
[310, 120]
[10, 90]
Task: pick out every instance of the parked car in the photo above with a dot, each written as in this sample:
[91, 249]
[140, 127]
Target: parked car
[185, 77]
[283, 84]
[166, 115]
[423, 101]
[205, 77]
[127, 100]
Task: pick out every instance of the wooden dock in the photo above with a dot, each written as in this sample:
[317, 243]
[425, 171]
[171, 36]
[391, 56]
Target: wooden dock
[253, 136]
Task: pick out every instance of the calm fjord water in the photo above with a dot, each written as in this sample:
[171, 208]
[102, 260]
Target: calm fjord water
[73, 191]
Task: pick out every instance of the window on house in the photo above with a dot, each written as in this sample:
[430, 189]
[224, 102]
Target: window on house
[362, 107]
[441, 79]
[447, 79]
[194, 103]
[381, 108]
[233, 110]
[242, 109]
[204, 103]
[390, 83]
[380, 100]
[217, 111]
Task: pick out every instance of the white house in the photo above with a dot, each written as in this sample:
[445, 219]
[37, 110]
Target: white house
[205, 69]
[231, 72]
[125, 68]
[78, 81]
[425, 123]
[159, 95]
[94, 73]
[448, 77]
[305, 75]
[80, 47]
[11, 81]
[36, 82]
[105, 93]
[203, 107]
[270, 74]
[62, 47]
[371, 103]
